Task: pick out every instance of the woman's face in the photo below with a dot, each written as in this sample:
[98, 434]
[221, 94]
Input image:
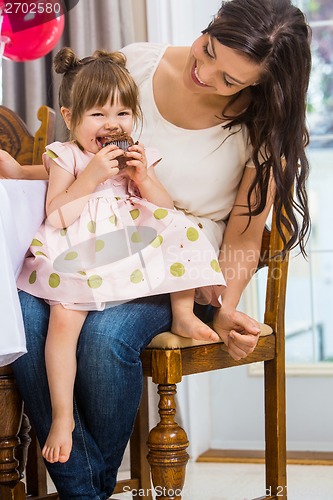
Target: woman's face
[213, 68]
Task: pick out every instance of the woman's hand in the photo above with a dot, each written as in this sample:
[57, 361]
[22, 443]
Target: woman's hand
[238, 331]
[9, 167]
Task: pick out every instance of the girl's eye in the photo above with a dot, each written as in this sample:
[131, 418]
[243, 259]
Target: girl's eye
[124, 113]
[206, 51]
[97, 114]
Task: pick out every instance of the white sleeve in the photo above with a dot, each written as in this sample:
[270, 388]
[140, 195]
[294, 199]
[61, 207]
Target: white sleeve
[262, 158]
[141, 59]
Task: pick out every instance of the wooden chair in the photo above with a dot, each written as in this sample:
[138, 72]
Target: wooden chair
[167, 359]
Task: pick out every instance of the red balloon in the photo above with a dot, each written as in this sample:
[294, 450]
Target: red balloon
[31, 35]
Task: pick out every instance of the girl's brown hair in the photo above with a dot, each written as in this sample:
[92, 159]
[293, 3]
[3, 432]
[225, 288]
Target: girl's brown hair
[94, 80]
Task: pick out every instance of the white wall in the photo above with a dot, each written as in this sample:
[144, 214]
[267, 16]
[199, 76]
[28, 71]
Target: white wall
[179, 22]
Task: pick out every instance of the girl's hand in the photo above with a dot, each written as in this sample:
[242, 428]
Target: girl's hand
[9, 167]
[104, 165]
[238, 331]
[137, 164]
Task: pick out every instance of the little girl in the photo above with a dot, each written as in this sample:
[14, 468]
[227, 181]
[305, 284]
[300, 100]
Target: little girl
[110, 235]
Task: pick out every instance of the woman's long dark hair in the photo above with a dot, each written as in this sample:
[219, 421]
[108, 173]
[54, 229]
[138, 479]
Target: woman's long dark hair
[274, 34]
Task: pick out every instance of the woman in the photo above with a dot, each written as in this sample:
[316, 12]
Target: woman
[228, 114]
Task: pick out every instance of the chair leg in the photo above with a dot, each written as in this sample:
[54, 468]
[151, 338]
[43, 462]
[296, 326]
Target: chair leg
[138, 446]
[11, 409]
[21, 451]
[275, 411]
[167, 443]
[36, 478]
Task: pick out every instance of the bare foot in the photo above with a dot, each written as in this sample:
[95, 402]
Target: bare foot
[189, 325]
[58, 443]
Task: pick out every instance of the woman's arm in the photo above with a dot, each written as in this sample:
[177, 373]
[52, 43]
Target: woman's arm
[11, 169]
[34, 172]
[238, 260]
[241, 245]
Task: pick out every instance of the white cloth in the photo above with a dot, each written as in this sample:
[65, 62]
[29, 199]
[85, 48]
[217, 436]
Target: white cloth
[21, 213]
[201, 169]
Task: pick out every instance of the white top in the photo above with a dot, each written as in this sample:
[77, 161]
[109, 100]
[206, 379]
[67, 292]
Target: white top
[201, 169]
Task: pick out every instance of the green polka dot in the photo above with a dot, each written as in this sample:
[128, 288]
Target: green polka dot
[192, 234]
[112, 219]
[54, 280]
[51, 154]
[91, 226]
[136, 238]
[160, 213]
[63, 231]
[215, 265]
[177, 269]
[40, 253]
[71, 256]
[157, 242]
[36, 243]
[83, 273]
[32, 277]
[94, 281]
[100, 244]
[136, 276]
[135, 213]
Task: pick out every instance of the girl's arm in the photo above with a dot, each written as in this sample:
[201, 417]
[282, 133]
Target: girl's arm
[67, 195]
[63, 206]
[238, 260]
[153, 190]
[146, 180]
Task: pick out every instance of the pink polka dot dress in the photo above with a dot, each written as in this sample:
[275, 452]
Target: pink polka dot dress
[121, 247]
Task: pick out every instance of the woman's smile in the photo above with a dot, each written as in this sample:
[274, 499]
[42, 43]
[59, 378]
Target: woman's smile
[195, 77]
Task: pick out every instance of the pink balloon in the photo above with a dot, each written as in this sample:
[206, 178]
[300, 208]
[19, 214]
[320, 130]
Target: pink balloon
[31, 35]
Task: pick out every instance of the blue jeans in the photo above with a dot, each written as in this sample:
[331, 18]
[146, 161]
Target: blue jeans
[107, 389]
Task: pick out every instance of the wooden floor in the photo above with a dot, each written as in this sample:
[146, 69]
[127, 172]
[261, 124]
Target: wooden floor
[242, 481]
[231, 481]
[257, 457]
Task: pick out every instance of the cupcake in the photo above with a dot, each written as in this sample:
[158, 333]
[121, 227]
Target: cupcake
[122, 141]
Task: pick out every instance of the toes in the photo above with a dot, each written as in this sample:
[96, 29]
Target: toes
[63, 457]
[214, 336]
[56, 453]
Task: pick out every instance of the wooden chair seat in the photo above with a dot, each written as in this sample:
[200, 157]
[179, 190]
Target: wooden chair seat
[168, 340]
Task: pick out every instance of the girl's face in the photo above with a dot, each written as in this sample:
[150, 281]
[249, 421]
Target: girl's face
[100, 122]
[213, 68]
